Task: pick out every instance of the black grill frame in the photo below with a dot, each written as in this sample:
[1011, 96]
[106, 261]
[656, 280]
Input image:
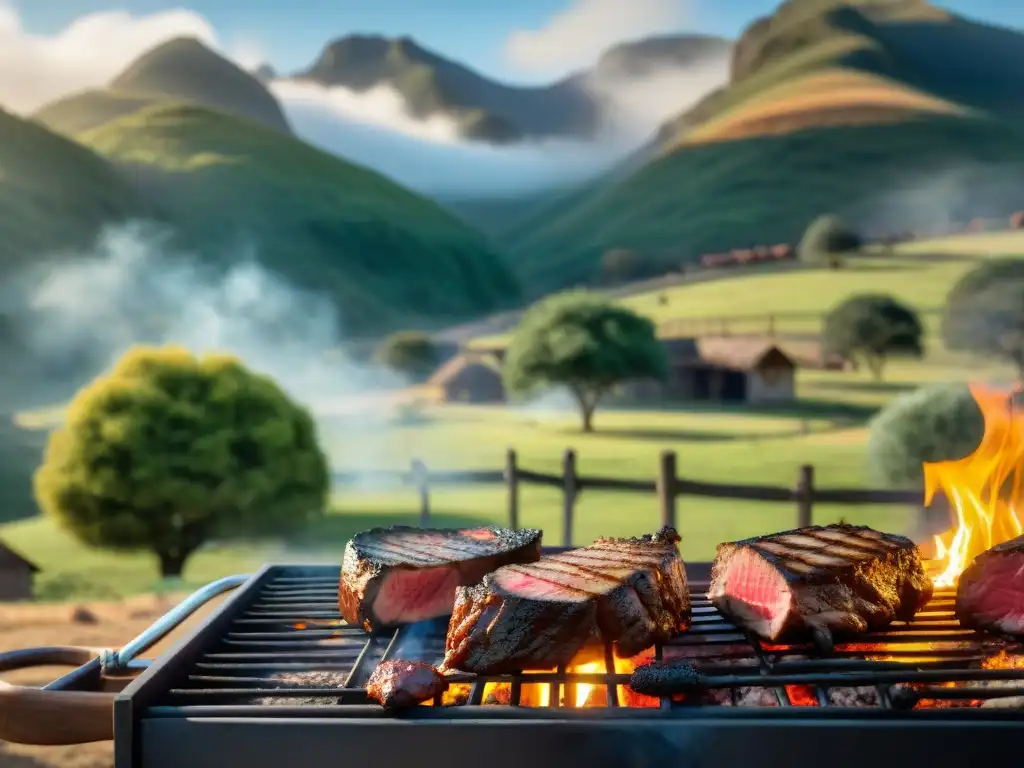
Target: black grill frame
[156, 725]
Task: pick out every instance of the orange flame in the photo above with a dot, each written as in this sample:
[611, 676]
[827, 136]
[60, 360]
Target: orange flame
[984, 489]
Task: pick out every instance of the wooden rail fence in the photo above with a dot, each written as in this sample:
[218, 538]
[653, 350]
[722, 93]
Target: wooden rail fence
[667, 486]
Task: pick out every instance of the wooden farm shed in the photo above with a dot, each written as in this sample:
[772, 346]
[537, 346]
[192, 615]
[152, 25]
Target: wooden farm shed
[16, 575]
[468, 378]
[722, 369]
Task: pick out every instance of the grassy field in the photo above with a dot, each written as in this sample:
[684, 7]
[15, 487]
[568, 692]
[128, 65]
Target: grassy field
[826, 428]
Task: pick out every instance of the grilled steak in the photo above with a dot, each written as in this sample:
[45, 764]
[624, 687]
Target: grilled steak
[630, 592]
[400, 575]
[400, 684]
[814, 581]
[990, 592]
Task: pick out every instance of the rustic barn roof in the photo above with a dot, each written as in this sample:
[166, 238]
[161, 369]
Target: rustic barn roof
[458, 364]
[5, 549]
[738, 353]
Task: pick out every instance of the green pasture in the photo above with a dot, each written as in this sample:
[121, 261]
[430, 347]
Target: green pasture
[743, 445]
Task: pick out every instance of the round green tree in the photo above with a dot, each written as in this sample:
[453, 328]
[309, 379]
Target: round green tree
[984, 311]
[167, 450]
[584, 343]
[871, 328]
[827, 241]
[935, 423]
[410, 353]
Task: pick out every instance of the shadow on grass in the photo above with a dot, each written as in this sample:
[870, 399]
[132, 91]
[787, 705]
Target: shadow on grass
[886, 387]
[802, 408]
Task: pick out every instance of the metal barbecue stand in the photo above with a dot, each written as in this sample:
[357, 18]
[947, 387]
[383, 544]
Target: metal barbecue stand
[245, 689]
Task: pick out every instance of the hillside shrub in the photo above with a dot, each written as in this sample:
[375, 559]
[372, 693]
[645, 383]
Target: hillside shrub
[871, 328]
[984, 311]
[167, 451]
[934, 423]
[410, 353]
[584, 343]
[827, 241]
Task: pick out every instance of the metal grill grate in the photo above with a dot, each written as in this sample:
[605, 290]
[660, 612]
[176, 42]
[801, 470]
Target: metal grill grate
[288, 646]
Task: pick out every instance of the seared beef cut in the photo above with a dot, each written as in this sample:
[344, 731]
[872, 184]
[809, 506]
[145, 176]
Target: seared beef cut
[631, 592]
[811, 582]
[400, 684]
[400, 575]
[990, 592]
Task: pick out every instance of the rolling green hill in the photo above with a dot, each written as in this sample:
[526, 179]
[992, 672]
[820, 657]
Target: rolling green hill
[182, 70]
[832, 107]
[54, 194]
[385, 254]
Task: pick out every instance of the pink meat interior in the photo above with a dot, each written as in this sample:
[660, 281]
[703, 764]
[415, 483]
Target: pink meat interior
[410, 595]
[757, 592]
[545, 585]
[995, 595]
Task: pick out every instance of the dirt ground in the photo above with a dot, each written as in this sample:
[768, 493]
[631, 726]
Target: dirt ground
[27, 626]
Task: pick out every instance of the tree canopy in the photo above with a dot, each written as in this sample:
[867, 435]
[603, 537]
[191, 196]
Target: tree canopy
[872, 327]
[935, 423]
[584, 343]
[167, 450]
[410, 353]
[826, 241]
[984, 311]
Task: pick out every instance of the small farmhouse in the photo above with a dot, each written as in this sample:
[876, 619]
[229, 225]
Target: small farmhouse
[468, 378]
[16, 575]
[723, 369]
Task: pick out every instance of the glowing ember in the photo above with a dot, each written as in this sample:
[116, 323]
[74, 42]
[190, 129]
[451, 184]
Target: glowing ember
[984, 488]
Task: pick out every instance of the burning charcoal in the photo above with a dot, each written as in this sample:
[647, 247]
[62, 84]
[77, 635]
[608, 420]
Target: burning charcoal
[755, 697]
[863, 696]
[402, 684]
[658, 679]
[305, 680]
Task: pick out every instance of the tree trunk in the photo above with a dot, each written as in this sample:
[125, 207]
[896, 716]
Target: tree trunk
[876, 364]
[172, 563]
[588, 418]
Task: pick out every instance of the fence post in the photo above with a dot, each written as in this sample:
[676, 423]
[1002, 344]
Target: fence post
[568, 494]
[666, 485]
[420, 479]
[512, 485]
[805, 496]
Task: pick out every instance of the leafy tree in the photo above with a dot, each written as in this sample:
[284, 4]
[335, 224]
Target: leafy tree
[871, 328]
[166, 451]
[827, 241]
[410, 353]
[935, 423]
[584, 343]
[984, 311]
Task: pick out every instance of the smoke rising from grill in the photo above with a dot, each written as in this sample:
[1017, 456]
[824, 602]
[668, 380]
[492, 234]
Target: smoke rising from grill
[133, 288]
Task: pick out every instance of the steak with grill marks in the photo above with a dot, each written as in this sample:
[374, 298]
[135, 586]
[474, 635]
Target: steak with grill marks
[990, 592]
[811, 582]
[399, 684]
[400, 575]
[630, 592]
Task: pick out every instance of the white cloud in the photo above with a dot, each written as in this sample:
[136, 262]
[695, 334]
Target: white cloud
[575, 37]
[88, 53]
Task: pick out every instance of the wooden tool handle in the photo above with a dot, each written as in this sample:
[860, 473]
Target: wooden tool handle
[34, 716]
[46, 718]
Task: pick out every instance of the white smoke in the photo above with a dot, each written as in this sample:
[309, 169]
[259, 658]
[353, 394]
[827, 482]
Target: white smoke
[134, 288]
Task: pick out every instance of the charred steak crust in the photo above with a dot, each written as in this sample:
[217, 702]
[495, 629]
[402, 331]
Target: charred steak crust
[811, 582]
[448, 557]
[398, 684]
[629, 592]
[990, 591]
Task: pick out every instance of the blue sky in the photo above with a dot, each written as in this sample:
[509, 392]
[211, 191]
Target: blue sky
[291, 32]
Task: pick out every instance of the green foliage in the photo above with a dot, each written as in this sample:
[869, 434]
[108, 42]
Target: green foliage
[826, 241]
[167, 451]
[410, 353]
[934, 423]
[387, 256]
[872, 327]
[984, 311]
[582, 342]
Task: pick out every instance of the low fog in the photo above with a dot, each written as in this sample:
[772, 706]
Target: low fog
[372, 129]
[134, 288]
